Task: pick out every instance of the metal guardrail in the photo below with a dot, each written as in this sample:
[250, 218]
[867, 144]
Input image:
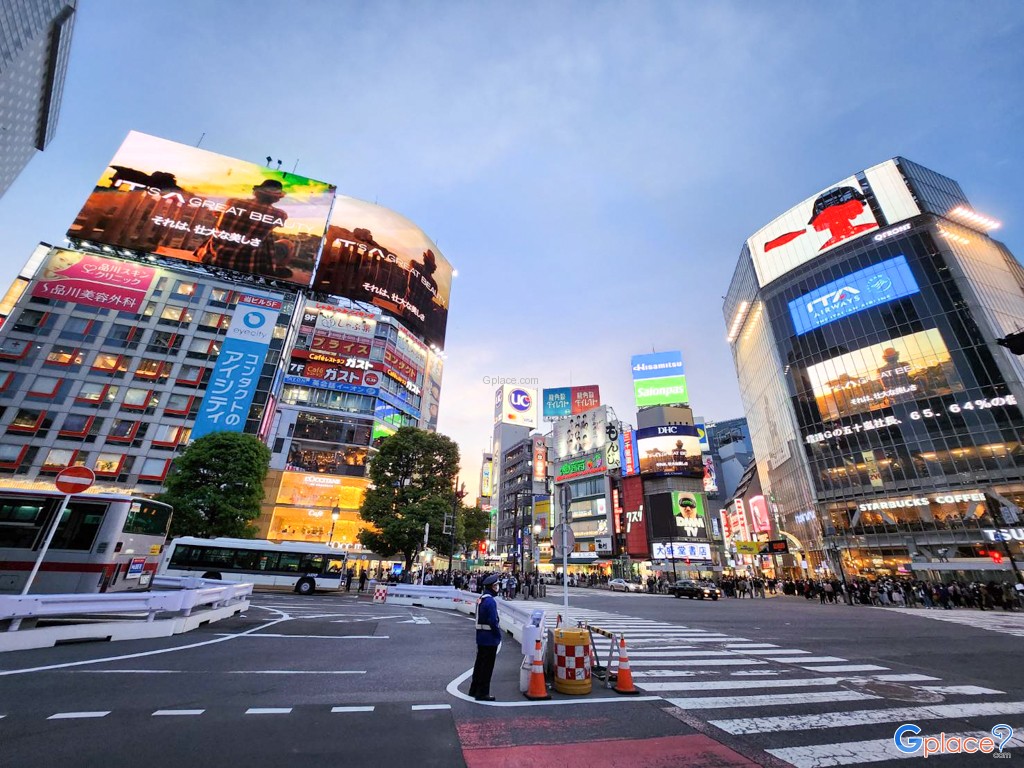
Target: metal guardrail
[192, 593]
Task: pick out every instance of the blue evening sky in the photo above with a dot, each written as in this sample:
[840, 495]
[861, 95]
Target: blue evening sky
[591, 168]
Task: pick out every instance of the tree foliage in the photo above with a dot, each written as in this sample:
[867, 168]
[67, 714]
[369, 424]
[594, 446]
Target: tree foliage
[412, 483]
[472, 528]
[216, 486]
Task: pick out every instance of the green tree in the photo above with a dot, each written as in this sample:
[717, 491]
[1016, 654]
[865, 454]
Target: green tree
[472, 528]
[412, 483]
[216, 486]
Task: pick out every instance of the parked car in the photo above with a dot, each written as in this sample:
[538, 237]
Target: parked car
[621, 585]
[692, 589]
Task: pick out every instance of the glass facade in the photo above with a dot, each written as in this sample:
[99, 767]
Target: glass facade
[881, 410]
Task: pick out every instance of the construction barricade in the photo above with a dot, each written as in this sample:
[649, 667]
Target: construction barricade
[380, 593]
[572, 661]
[617, 671]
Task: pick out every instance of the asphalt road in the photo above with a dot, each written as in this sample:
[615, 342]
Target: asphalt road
[330, 677]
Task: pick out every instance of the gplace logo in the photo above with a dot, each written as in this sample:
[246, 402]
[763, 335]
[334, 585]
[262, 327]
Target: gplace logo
[908, 741]
[520, 399]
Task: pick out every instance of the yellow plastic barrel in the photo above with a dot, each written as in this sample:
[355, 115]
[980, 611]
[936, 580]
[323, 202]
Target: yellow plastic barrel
[572, 661]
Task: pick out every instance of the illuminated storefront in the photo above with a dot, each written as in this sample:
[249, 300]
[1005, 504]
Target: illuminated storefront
[863, 326]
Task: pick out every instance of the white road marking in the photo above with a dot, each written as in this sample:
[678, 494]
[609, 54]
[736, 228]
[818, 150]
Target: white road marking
[162, 712]
[268, 711]
[844, 667]
[769, 652]
[770, 700]
[721, 685]
[322, 637]
[77, 715]
[695, 662]
[422, 707]
[810, 660]
[963, 690]
[857, 752]
[749, 646]
[453, 690]
[352, 709]
[959, 711]
[294, 672]
[673, 653]
[416, 620]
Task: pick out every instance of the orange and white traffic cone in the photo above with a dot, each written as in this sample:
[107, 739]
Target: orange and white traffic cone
[538, 689]
[624, 681]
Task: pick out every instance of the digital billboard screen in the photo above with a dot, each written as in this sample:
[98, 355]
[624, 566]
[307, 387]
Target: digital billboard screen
[901, 370]
[174, 200]
[857, 291]
[677, 514]
[670, 450]
[375, 255]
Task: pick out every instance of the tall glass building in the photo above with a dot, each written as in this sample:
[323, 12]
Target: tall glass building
[885, 418]
[35, 42]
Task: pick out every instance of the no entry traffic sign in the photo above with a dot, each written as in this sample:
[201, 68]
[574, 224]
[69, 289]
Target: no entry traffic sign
[75, 479]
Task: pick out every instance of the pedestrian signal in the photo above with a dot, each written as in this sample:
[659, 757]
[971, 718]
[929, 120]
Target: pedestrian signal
[996, 557]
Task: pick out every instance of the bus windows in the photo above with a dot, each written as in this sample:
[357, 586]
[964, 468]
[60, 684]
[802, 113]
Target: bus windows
[78, 526]
[311, 563]
[289, 562]
[334, 567]
[20, 522]
[246, 559]
[268, 562]
[147, 519]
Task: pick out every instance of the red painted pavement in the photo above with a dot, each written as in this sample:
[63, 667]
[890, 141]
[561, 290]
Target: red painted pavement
[691, 751]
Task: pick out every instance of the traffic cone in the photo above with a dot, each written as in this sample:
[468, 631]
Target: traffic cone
[624, 681]
[538, 689]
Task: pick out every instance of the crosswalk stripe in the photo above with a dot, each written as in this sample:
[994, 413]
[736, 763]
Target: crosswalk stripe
[770, 700]
[352, 709]
[77, 715]
[963, 690]
[268, 710]
[843, 667]
[769, 651]
[749, 646]
[961, 711]
[673, 653]
[722, 685]
[695, 662]
[173, 712]
[809, 660]
[857, 752]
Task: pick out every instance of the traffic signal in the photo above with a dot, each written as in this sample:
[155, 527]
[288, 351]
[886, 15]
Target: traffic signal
[997, 557]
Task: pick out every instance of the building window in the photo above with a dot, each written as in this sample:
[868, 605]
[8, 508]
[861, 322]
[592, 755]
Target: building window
[58, 458]
[76, 425]
[31, 321]
[179, 404]
[154, 469]
[109, 464]
[190, 374]
[151, 369]
[77, 328]
[26, 420]
[140, 399]
[164, 341]
[123, 430]
[14, 349]
[221, 296]
[62, 355]
[203, 347]
[12, 455]
[184, 288]
[214, 321]
[166, 435]
[176, 314]
[6, 379]
[94, 392]
[110, 363]
[123, 335]
[45, 386]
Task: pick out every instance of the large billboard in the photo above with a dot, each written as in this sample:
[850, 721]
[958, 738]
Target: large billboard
[567, 401]
[375, 255]
[225, 405]
[580, 433]
[857, 291]
[673, 449]
[658, 379]
[178, 201]
[515, 405]
[678, 514]
[828, 219]
[904, 369]
[70, 277]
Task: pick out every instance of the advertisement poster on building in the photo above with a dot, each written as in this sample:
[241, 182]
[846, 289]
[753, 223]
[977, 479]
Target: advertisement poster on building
[673, 449]
[70, 277]
[375, 255]
[581, 432]
[225, 406]
[759, 517]
[901, 370]
[710, 476]
[677, 514]
[174, 200]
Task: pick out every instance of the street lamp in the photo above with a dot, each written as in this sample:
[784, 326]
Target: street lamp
[335, 514]
[834, 547]
[460, 494]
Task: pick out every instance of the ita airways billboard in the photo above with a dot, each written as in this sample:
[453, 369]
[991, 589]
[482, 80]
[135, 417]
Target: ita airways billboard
[516, 405]
[569, 401]
[174, 200]
[853, 293]
[658, 379]
[225, 405]
[836, 215]
[374, 255]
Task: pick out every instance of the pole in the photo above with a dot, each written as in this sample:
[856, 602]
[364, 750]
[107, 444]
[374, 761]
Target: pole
[455, 517]
[842, 574]
[423, 565]
[46, 544]
[564, 530]
[515, 527]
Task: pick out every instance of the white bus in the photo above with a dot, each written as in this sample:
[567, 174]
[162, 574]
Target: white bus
[104, 542]
[303, 567]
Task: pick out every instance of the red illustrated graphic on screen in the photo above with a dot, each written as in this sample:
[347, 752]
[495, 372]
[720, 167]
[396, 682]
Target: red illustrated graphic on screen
[834, 212]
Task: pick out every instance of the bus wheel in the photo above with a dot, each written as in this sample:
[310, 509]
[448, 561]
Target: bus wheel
[305, 586]
[212, 575]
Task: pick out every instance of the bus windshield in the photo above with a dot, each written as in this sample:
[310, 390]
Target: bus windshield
[148, 519]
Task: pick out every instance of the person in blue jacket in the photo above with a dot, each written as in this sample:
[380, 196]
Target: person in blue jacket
[488, 638]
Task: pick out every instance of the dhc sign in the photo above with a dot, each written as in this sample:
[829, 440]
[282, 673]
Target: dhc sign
[849, 295]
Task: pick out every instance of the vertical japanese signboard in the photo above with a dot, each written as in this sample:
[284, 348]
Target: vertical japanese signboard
[226, 404]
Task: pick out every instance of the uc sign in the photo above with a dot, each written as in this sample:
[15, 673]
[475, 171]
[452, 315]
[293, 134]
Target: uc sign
[520, 399]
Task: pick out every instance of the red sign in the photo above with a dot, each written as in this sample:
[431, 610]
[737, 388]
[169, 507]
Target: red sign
[585, 398]
[83, 278]
[75, 479]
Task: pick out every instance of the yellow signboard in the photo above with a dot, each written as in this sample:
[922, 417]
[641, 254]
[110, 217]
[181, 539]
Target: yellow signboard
[310, 490]
[747, 547]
